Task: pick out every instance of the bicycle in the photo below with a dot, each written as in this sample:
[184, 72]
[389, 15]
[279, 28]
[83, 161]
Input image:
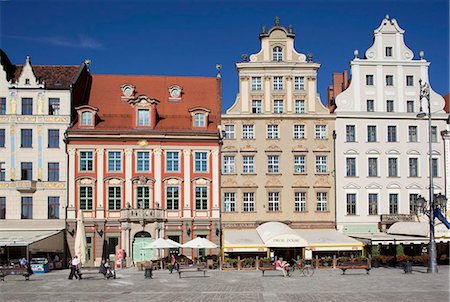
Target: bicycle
[306, 270]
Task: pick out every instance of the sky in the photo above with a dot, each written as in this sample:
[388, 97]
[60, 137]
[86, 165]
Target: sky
[191, 37]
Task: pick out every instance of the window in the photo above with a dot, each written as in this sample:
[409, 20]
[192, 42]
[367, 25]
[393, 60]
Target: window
[249, 201]
[370, 104]
[369, 79]
[322, 202]
[299, 131]
[172, 161]
[412, 134]
[277, 53]
[373, 204]
[3, 106]
[199, 120]
[350, 133]
[389, 80]
[299, 164]
[392, 134]
[256, 106]
[86, 118]
[248, 164]
[2, 207]
[229, 202]
[114, 161]
[53, 207]
[2, 171]
[409, 80]
[26, 171]
[27, 207]
[300, 201]
[413, 204]
[143, 197]
[373, 167]
[413, 167]
[389, 106]
[273, 164]
[53, 106]
[321, 164]
[392, 167]
[53, 171]
[53, 138]
[143, 117]
[393, 203]
[27, 106]
[2, 138]
[409, 106]
[351, 204]
[114, 198]
[371, 133]
[321, 132]
[388, 51]
[256, 83]
[434, 167]
[434, 135]
[201, 161]
[173, 198]
[86, 198]
[278, 106]
[277, 83]
[299, 83]
[299, 106]
[27, 81]
[26, 138]
[247, 132]
[274, 201]
[272, 131]
[351, 166]
[143, 161]
[229, 132]
[86, 161]
[228, 164]
[201, 198]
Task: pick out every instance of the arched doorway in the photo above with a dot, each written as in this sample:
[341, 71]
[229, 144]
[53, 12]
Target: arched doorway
[142, 239]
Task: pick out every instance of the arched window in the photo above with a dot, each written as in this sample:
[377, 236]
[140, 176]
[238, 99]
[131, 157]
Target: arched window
[86, 118]
[277, 53]
[199, 120]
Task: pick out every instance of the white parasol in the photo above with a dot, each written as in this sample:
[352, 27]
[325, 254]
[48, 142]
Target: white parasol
[161, 243]
[80, 239]
[199, 243]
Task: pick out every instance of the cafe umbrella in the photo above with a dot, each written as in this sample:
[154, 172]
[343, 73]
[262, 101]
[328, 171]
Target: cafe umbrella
[162, 243]
[80, 239]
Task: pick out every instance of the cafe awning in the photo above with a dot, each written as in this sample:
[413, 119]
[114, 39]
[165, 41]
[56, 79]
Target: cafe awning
[36, 241]
[277, 234]
[242, 240]
[384, 238]
[329, 240]
[421, 229]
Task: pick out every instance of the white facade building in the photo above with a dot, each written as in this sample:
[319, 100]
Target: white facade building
[382, 147]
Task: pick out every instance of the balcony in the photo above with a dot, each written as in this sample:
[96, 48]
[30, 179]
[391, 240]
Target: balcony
[142, 215]
[26, 186]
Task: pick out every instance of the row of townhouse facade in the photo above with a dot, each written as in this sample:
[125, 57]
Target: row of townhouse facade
[144, 157]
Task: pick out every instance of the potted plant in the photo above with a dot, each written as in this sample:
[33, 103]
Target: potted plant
[248, 262]
[170, 267]
[343, 259]
[376, 256]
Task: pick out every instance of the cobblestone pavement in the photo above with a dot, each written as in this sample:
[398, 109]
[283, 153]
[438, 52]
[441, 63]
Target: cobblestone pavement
[383, 284]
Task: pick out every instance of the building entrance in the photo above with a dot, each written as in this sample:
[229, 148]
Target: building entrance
[141, 240]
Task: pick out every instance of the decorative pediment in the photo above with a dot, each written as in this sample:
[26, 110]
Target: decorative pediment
[300, 183]
[373, 151]
[27, 77]
[273, 148]
[142, 180]
[172, 180]
[85, 180]
[393, 185]
[175, 93]
[229, 182]
[351, 186]
[414, 186]
[273, 182]
[142, 101]
[374, 186]
[322, 182]
[113, 180]
[229, 148]
[201, 181]
[413, 152]
[393, 152]
[351, 152]
[299, 148]
[322, 147]
[248, 148]
[128, 91]
[434, 152]
[249, 184]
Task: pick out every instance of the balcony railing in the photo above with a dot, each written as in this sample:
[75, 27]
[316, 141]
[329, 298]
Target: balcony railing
[28, 186]
[147, 215]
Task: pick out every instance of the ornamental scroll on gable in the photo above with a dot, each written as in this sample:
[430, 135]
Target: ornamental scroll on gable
[175, 93]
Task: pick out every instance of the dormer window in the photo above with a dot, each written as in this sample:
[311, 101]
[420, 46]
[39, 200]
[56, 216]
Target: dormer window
[127, 91]
[199, 120]
[199, 117]
[86, 115]
[277, 54]
[145, 111]
[388, 51]
[143, 117]
[175, 92]
[86, 118]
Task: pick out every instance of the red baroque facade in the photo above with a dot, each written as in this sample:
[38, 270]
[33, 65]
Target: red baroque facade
[144, 163]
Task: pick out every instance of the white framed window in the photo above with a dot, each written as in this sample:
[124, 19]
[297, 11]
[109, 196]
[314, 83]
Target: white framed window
[373, 166]
[273, 164]
[413, 167]
[229, 132]
[300, 201]
[86, 118]
[256, 106]
[272, 132]
[410, 106]
[372, 133]
[322, 203]
[114, 161]
[373, 204]
[388, 51]
[434, 134]
[143, 117]
[299, 83]
[389, 106]
[86, 161]
[143, 197]
[351, 204]
[392, 167]
[201, 161]
[370, 105]
[393, 203]
[351, 166]
[392, 133]
[229, 202]
[412, 134]
[369, 79]
[114, 198]
[277, 83]
[274, 201]
[413, 204]
[256, 83]
[143, 161]
[321, 131]
[299, 131]
[228, 164]
[278, 106]
[248, 164]
[248, 199]
[173, 198]
[434, 167]
[299, 106]
[199, 120]
[409, 80]
[172, 161]
[86, 198]
[389, 80]
[299, 164]
[247, 132]
[277, 52]
[350, 133]
[321, 164]
[201, 198]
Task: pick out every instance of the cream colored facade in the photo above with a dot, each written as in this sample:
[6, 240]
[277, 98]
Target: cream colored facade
[273, 123]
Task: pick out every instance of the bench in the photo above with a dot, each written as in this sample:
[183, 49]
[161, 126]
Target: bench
[269, 267]
[4, 271]
[191, 269]
[355, 265]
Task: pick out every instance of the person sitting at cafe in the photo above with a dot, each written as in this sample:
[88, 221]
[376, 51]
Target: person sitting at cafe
[281, 265]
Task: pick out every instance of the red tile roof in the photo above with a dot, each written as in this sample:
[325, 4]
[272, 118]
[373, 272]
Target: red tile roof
[447, 103]
[54, 76]
[116, 114]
